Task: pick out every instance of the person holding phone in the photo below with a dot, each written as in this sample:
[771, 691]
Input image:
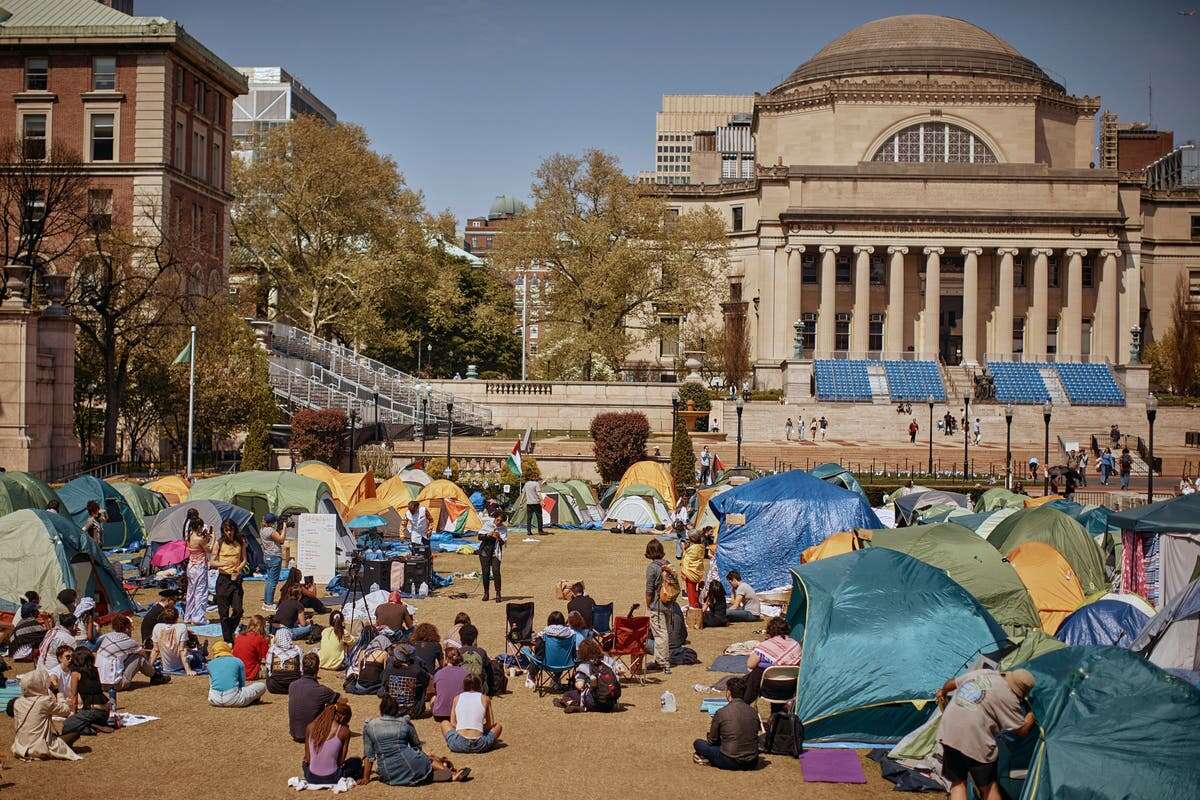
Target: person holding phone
[492, 537]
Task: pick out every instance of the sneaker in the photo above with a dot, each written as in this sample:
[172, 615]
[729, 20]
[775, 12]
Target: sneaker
[573, 709]
[699, 760]
[269, 607]
[485, 597]
[497, 598]
[529, 684]
[158, 679]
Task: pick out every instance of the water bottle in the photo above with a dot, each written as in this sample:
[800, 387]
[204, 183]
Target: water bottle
[424, 590]
[666, 703]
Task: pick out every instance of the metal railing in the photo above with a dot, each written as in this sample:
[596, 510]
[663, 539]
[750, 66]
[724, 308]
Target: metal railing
[324, 389]
[1047, 358]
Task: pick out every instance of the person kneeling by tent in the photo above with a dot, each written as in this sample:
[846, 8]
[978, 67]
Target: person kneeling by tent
[983, 703]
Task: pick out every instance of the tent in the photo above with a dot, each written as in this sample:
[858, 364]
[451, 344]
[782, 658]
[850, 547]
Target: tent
[584, 493]
[392, 516]
[983, 523]
[999, 497]
[1104, 622]
[766, 524]
[839, 476]
[1051, 582]
[639, 504]
[881, 632]
[1038, 502]
[38, 490]
[48, 552]
[144, 502]
[907, 505]
[13, 496]
[124, 528]
[348, 488]
[1053, 527]
[167, 526]
[736, 476]
[1160, 544]
[704, 515]
[836, 545]
[395, 492]
[449, 506]
[1110, 726]
[653, 474]
[973, 564]
[1094, 519]
[560, 509]
[417, 479]
[941, 512]
[1171, 639]
[174, 488]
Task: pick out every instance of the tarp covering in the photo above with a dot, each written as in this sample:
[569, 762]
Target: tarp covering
[853, 688]
[907, 505]
[348, 488]
[172, 487]
[1178, 515]
[442, 490]
[1064, 534]
[395, 492]
[124, 527]
[999, 497]
[767, 523]
[839, 475]
[38, 490]
[1051, 582]
[1104, 622]
[653, 474]
[973, 564]
[48, 552]
[1113, 727]
[167, 526]
[1171, 639]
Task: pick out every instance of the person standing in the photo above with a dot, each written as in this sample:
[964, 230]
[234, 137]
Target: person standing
[679, 521]
[975, 430]
[1033, 467]
[531, 493]
[981, 704]
[800, 428]
[705, 466]
[654, 604]
[1125, 467]
[492, 538]
[416, 523]
[1082, 467]
[787, 430]
[199, 543]
[272, 547]
[913, 429]
[1106, 466]
[229, 557]
[824, 427]
[94, 527]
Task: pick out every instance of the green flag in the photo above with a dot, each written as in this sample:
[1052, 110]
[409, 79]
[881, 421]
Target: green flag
[185, 355]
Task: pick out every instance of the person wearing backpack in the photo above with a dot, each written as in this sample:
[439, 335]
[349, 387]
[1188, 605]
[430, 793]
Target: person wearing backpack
[596, 686]
[662, 587]
[475, 659]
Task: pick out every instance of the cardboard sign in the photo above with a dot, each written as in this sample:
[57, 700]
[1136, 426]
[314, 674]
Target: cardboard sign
[316, 536]
[735, 519]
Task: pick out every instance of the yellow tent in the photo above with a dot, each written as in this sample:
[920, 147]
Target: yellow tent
[347, 488]
[1034, 502]
[1050, 580]
[445, 499]
[392, 515]
[704, 515]
[836, 545]
[172, 487]
[396, 492]
[653, 474]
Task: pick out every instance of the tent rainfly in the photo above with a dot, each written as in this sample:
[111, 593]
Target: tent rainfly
[1053, 527]
[1160, 544]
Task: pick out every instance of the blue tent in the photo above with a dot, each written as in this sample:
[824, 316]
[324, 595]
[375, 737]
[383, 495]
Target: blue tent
[881, 632]
[124, 527]
[767, 523]
[1104, 622]
[477, 500]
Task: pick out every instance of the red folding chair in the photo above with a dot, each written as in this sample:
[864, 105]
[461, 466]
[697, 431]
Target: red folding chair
[629, 643]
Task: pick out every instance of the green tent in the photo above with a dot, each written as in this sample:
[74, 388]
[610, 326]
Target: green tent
[881, 632]
[124, 528]
[38, 490]
[984, 523]
[942, 512]
[999, 497]
[1058, 530]
[13, 496]
[973, 564]
[588, 497]
[142, 500]
[640, 504]
[565, 512]
[1110, 726]
[1177, 515]
[839, 476]
[48, 552]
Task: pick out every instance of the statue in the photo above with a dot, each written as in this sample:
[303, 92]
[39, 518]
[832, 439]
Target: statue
[1135, 345]
[798, 340]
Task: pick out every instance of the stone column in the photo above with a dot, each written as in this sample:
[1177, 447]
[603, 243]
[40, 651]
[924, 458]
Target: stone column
[933, 302]
[1104, 326]
[860, 327]
[766, 302]
[970, 337]
[1035, 323]
[1003, 326]
[781, 324]
[1131, 306]
[794, 283]
[1070, 322]
[825, 316]
[894, 332]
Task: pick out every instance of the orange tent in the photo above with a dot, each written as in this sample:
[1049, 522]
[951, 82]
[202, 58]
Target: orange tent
[348, 488]
[836, 545]
[174, 488]
[396, 492]
[1051, 582]
[1034, 502]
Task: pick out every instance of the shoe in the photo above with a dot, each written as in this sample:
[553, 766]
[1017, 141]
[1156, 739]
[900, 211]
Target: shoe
[158, 679]
[560, 702]
[699, 760]
[485, 597]
[271, 607]
[497, 598]
[573, 709]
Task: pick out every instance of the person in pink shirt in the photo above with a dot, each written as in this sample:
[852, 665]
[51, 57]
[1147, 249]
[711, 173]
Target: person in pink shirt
[779, 649]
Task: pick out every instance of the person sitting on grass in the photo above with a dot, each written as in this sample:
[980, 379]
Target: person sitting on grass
[60, 634]
[406, 681]
[779, 649]
[595, 686]
[392, 752]
[119, 657]
[33, 713]
[715, 607]
[283, 662]
[447, 685]
[732, 741]
[745, 607]
[471, 728]
[252, 646]
[335, 643]
[454, 638]
[308, 697]
[85, 697]
[290, 613]
[308, 591]
[326, 744]
[170, 644]
[426, 646]
[475, 659]
[61, 672]
[86, 624]
[227, 687]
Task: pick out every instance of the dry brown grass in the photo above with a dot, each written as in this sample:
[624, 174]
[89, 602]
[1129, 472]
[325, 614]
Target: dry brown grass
[198, 751]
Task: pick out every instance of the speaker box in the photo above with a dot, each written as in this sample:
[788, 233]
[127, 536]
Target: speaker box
[379, 572]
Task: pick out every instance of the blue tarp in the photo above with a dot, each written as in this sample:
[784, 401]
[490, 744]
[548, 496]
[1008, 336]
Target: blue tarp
[781, 516]
[1104, 622]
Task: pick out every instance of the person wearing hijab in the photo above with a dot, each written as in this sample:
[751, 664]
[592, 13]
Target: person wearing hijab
[283, 662]
[227, 687]
[33, 715]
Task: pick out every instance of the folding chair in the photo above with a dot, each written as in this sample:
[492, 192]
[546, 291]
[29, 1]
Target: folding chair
[602, 618]
[518, 627]
[778, 686]
[629, 643]
[559, 659]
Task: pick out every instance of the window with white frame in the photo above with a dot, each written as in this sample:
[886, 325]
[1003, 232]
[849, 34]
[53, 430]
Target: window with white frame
[33, 136]
[37, 74]
[180, 145]
[933, 142]
[668, 344]
[841, 332]
[100, 209]
[102, 137]
[199, 154]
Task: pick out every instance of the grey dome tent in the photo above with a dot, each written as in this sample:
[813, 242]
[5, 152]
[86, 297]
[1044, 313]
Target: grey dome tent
[167, 526]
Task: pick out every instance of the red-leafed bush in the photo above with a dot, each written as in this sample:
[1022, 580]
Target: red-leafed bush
[319, 435]
[618, 442]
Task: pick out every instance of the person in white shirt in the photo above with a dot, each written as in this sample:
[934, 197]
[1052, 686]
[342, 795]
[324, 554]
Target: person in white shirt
[975, 429]
[679, 521]
[416, 523]
[492, 537]
[705, 466]
[531, 493]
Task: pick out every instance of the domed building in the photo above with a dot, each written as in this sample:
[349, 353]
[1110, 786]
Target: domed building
[924, 191]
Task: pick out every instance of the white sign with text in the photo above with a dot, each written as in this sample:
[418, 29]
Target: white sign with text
[316, 536]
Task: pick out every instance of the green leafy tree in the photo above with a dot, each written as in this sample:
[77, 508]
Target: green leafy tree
[683, 457]
[256, 450]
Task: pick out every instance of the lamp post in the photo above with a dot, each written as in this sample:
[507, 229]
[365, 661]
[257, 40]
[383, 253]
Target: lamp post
[930, 471]
[449, 433]
[1151, 413]
[1008, 415]
[966, 434]
[740, 405]
[1046, 410]
[353, 421]
[674, 416]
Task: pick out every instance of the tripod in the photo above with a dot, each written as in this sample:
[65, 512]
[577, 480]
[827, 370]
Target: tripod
[354, 589]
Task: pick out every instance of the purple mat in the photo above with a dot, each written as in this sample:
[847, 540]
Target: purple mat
[831, 766]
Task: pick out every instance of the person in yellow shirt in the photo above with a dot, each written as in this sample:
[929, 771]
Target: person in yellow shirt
[691, 568]
[335, 643]
[229, 558]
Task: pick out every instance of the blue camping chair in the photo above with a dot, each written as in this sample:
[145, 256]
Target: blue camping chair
[558, 660]
[602, 618]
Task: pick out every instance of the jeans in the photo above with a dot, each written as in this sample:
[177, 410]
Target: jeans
[534, 511]
[660, 629]
[1125, 481]
[273, 564]
[461, 744]
[134, 663]
[229, 596]
[680, 538]
[741, 615]
[1103, 475]
[489, 570]
[713, 755]
[238, 698]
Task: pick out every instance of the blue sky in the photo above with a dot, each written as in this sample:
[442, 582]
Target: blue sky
[469, 96]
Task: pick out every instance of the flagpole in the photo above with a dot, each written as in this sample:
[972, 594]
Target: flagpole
[191, 398]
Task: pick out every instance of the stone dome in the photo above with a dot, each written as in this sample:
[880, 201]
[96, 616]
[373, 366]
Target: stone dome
[505, 206]
[917, 44]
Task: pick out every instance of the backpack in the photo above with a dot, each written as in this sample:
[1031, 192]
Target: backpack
[784, 736]
[472, 662]
[499, 677]
[668, 590]
[606, 688]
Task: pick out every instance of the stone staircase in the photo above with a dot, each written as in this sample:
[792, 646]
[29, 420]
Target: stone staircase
[880, 391]
[1054, 387]
[958, 383]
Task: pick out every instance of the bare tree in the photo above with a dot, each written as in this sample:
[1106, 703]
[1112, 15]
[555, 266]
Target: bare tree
[1182, 341]
[736, 343]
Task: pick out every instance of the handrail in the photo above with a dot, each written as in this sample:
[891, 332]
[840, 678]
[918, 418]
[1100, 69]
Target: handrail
[331, 392]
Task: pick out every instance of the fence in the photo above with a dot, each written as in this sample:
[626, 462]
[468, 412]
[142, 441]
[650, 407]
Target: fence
[909, 468]
[214, 461]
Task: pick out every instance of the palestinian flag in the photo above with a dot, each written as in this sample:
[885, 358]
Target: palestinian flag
[455, 519]
[717, 465]
[514, 459]
[548, 504]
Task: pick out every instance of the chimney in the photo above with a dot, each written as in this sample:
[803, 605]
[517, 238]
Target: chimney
[124, 6]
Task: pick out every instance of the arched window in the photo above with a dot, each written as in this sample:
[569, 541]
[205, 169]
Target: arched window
[928, 142]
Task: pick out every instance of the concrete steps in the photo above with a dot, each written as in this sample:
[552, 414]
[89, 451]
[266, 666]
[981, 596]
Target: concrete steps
[881, 393]
[1054, 387]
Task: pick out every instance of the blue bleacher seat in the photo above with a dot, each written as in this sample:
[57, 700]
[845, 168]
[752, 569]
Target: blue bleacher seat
[1019, 382]
[914, 381]
[842, 380]
[1090, 384]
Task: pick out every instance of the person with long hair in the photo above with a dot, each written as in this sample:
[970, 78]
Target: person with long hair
[229, 557]
[779, 649]
[326, 744]
[85, 696]
[654, 604]
[392, 751]
[199, 542]
[492, 538]
[335, 643]
[169, 644]
[447, 685]
[308, 593]
[252, 645]
[427, 649]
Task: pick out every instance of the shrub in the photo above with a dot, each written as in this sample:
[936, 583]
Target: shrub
[319, 435]
[256, 450]
[618, 442]
[436, 468]
[697, 394]
[683, 457]
[377, 459]
[492, 375]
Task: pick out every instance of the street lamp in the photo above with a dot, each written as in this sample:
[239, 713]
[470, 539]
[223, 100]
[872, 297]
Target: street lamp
[930, 471]
[740, 405]
[449, 432]
[1046, 409]
[1008, 415]
[353, 420]
[1151, 413]
[674, 415]
[966, 433]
